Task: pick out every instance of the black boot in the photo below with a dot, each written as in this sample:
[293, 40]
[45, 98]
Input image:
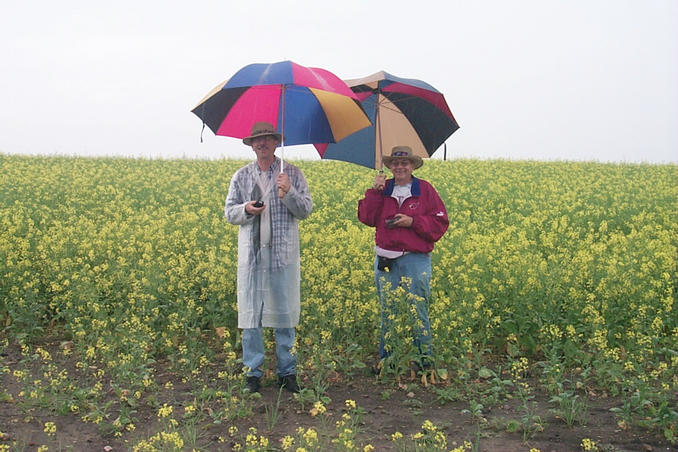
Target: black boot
[252, 384]
[289, 382]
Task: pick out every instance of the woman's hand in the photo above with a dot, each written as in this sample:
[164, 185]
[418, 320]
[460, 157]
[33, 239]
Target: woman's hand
[379, 182]
[402, 221]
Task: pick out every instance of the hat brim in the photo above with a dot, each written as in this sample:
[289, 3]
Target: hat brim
[248, 140]
[416, 160]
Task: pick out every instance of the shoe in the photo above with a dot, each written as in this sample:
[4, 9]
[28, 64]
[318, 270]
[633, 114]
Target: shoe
[420, 368]
[252, 384]
[289, 382]
[375, 369]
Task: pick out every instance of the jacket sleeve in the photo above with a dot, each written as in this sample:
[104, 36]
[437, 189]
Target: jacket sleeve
[432, 225]
[234, 210]
[369, 208]
[298, 199]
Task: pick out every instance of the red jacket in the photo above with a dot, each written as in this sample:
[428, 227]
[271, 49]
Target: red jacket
[425, 207]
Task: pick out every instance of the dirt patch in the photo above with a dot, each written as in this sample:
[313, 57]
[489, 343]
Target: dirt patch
[386, 407]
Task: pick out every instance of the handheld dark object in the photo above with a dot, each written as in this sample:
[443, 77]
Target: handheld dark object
[390, 221]
[384, 263]
[258, 204]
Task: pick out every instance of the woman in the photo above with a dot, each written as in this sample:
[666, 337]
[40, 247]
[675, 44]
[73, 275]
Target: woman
[409, 218]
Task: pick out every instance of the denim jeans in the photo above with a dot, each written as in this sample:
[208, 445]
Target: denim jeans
[253, 351]
[416, 268]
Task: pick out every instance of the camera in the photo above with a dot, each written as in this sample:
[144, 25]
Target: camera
[384, 263]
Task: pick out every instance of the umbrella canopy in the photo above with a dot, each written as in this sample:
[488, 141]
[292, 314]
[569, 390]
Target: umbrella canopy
[404, 112]
[306, 105]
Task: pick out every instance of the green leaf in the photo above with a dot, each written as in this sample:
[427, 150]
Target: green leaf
[484, 372]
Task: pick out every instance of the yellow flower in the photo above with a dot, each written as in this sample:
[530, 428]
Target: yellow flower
[287, 442]
[318, 408]
[50, 428]
[589, 445]
[429, 426]
[463, 448]
[311, 437]
[165, 410]
[251, 440]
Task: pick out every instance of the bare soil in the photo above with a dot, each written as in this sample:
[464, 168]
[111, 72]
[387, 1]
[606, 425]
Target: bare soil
[388, 408]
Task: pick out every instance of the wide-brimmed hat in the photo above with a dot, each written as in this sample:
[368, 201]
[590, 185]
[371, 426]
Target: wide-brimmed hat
[403, 152]
[260, 129]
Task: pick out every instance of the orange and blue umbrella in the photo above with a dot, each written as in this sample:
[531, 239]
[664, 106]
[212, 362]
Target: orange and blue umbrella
[306, 105]
[403, 112]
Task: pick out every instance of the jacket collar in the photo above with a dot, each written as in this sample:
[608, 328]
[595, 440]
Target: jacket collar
[390, 184]
[275, 166]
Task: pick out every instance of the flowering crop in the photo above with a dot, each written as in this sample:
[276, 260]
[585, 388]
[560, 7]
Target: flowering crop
[131, 260]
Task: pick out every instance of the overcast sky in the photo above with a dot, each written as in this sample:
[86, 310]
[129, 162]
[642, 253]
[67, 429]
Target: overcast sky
[526, 79]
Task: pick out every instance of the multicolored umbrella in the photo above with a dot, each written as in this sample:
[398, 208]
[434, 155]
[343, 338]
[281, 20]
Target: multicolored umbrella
[306, 105]
[403, 112]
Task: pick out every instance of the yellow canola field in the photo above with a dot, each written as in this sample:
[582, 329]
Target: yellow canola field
[130, 260]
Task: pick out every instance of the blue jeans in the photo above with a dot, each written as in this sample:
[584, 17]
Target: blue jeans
[416, 267]
[253, 351]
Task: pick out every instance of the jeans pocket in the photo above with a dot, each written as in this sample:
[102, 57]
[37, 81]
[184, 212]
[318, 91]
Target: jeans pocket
[384, 263]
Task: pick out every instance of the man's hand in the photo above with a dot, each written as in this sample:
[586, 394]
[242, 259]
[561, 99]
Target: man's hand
[249, 208]
[283, 181]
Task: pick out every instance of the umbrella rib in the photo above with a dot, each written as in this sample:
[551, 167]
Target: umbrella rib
[383, 104]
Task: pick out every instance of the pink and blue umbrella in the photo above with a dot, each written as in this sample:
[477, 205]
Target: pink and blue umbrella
[403, 112]
[306, 105]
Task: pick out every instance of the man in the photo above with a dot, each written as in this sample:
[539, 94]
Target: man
[267, 204]
[409, 218]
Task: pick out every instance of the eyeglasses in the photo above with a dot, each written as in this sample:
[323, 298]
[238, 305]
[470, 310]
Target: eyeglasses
[400, 162]
[264, 138]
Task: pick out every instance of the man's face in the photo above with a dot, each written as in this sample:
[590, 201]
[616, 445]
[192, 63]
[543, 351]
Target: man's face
[264, 146]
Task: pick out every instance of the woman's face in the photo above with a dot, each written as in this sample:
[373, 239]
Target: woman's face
[401, 169]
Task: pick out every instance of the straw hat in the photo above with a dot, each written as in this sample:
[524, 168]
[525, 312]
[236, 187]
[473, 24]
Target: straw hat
[403, 152]
[260, 129]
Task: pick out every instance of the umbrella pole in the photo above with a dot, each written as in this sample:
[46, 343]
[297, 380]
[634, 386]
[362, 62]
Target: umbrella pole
[381, 152]
[282, 162]
[282, 141]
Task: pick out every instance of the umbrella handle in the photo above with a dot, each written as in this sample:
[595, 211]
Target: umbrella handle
[282, 142]
[282, 163]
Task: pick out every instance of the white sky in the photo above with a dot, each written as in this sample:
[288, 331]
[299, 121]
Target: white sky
[526, 79]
